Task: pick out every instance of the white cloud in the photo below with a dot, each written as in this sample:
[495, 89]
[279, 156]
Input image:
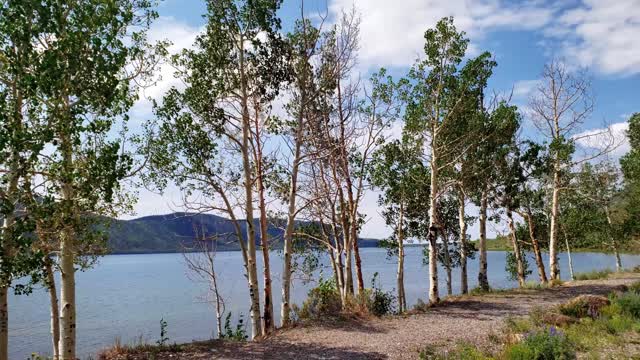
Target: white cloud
[595, 33]
[601, 34]
[524, 88]
[600, 139]
[392, 31]
[181, 36]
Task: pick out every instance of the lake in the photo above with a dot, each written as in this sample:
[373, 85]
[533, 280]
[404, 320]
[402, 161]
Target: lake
[125, 296]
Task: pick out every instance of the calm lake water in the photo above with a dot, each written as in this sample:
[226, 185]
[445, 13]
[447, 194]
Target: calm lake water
[125, 296]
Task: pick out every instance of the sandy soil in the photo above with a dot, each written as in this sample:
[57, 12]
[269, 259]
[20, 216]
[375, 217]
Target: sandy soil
[471, 319]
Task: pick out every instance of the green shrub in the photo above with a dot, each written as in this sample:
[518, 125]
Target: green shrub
[420, 306]
[239, 333]
[462, 351]
[548, 344]
[164, 339]
[635, 287]
[518, 325]
[533, 285]
[594, 275]
[322, 301]
[589, 334]
[616, 324]
[629, 304]
[382, 303]
[511, 265]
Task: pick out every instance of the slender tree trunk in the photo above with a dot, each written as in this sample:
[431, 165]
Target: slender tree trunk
[285, 311]
[8, 225]
[536, 248]
[252, 272]
[334, 267]
[4, 322]
[434, 296]
[402, 305]
[516, 249]
[566, 242]
[618, 259]
[348, 269]
[356, 255]
[447, 261]
[252, 276]
[483, 279]
[341, 280]
[346, 243]
[67, 344]
[4, 290]
[218, 299]
[291, 213]
[464, 286]
[554, 269]
[614, 243]
[55, 310]
[339, 263]
[268, 325]
[67, 347]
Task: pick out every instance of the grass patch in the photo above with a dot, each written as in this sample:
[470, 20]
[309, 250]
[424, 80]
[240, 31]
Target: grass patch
[461, 351]
[629, 304]
[635, 287]
[480, 291]
[138, 348]
[594, 275]
[587, 326]
[543, 344]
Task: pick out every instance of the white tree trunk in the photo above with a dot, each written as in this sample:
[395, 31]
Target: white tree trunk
[464, 286]
[218, 300]
[67, 344]
[614, 243]
[268, 325]
[434, 296]
[554, 269]
[285, 311]
[54, 308]
[516, 249]
[402, 304]
[566, 242]
[483, 279]
[7, 248]
[447, 261]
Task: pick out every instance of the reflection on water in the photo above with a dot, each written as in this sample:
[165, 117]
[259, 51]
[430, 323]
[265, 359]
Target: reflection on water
[126, 295]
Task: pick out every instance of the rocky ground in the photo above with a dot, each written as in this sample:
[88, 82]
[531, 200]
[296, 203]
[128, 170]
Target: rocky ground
[470, 318]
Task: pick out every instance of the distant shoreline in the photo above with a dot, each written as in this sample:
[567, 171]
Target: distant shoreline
[495, 249]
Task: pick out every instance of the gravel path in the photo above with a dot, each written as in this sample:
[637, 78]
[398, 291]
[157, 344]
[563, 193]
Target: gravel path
[469, 319]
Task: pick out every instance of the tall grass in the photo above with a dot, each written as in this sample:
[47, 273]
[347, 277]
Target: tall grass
[594, 274]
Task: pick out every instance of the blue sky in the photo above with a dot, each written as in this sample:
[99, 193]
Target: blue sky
[601, 35]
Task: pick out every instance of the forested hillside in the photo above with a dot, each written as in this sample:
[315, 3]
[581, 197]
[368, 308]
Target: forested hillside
[174, 232]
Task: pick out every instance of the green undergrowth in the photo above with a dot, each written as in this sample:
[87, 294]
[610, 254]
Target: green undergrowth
[594, 275]
[137, 349]
[325, 302]
[587, 326]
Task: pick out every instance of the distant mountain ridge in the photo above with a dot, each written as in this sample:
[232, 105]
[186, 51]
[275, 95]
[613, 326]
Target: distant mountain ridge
[171, 232]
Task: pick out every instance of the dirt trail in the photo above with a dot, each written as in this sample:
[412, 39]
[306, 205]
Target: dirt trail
[469, 319]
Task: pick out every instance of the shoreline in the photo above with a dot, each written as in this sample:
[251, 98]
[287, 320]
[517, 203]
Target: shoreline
[470, 319]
